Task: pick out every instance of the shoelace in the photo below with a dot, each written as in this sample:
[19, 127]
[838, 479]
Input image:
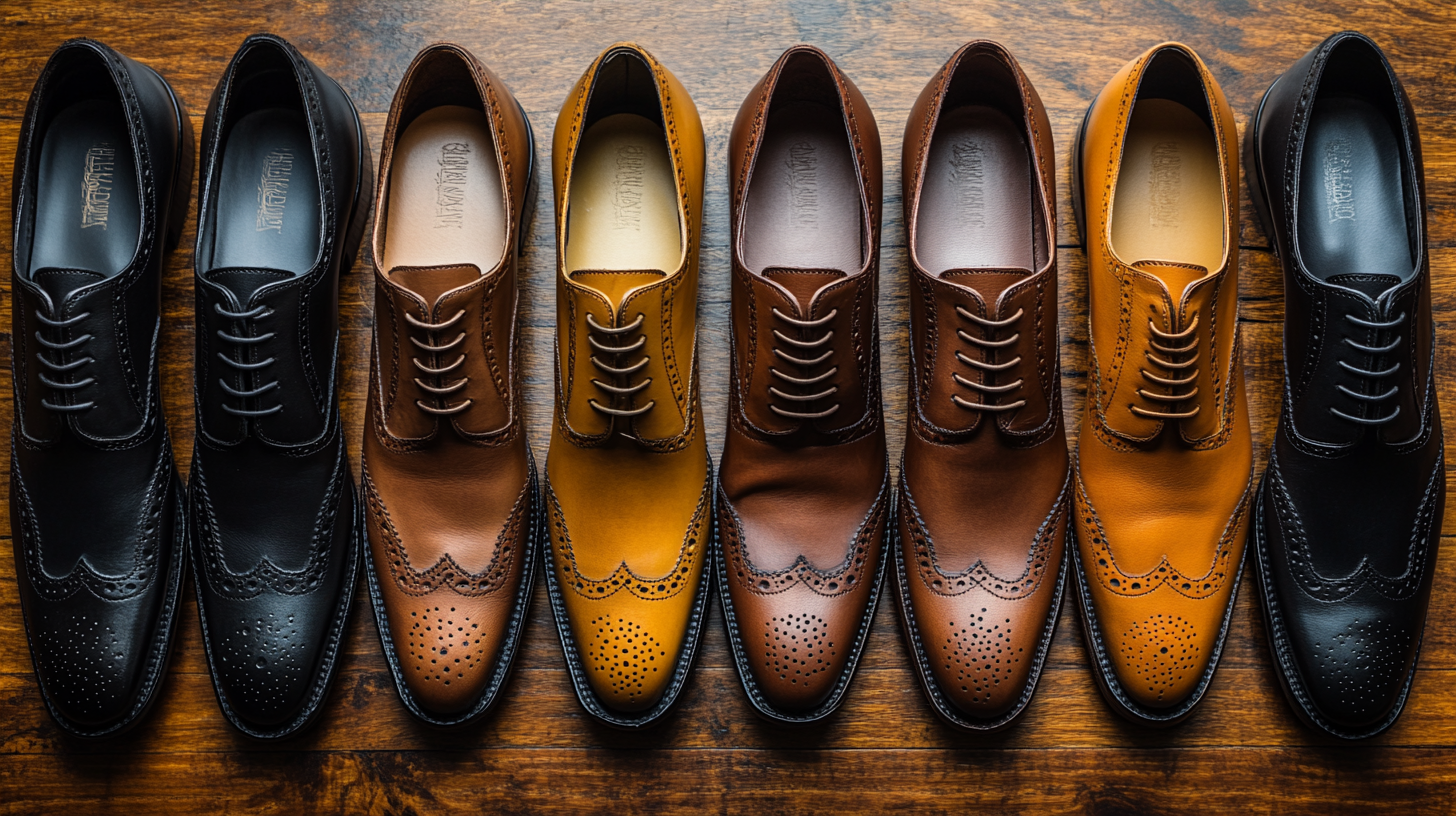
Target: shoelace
[622, 389]
[242, 342]
[1373, 377]
[802, 385]
[434, 348]
[1173, 366]
[66, 385]
[988, 344]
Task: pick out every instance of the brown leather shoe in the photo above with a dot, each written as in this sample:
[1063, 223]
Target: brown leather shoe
[984, 486]
[449, 482]
[804, 490]
[1165, 459]
[628, 480]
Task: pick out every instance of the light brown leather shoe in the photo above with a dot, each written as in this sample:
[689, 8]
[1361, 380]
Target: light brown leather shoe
[985, 483]
[1165, 459]
[449, 484]
[804, 490]
[628, 480]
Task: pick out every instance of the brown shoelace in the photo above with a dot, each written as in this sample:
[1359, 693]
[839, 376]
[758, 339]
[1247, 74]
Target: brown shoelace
[987, 344]
[1178, 360]
[803, 387]
[438, 387]
[621, 390]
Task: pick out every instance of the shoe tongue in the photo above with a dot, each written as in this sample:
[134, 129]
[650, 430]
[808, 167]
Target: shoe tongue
[243, 282]
[1175, 276]
[615, 284]
[432, 282]
[988, 282]
[60, 283]
[1372, 285]
[803, 284]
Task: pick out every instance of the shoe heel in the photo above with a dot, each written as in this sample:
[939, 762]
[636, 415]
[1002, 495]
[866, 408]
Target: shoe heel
[1079, 206]
[1254, 172]
[528, 207]
[180, 199]
[363, 196]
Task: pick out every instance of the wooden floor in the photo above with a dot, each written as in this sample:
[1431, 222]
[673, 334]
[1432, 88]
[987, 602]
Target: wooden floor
[1242, 752]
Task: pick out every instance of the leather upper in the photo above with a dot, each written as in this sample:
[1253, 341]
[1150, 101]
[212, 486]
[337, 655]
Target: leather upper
[983, 492]
[1350, 508]
[451, 497]
[804, 502]
[627, 497]
[1161, 499]
[93, 490]
[274, 587]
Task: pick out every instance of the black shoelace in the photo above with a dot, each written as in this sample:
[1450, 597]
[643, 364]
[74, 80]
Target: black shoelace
[1371, 378]
[243, 341]
[66, 383]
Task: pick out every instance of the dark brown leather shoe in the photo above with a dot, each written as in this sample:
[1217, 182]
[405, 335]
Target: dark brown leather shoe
[449, 481]
[982, 508]
[804, 490]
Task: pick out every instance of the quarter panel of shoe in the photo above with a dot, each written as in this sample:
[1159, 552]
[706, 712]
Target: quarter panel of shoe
[1353, 204]
[267, 206]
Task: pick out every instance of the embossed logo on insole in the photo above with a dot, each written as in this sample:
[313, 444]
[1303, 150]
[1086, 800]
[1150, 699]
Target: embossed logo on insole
[1339, 180]
[1165, 185]
[802, 177]
[968, 179]
[450, 185]
[627, 187]
[273, 190]
[96, 183]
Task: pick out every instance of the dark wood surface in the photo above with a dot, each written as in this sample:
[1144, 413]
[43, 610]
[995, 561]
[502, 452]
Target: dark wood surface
[1242, 752]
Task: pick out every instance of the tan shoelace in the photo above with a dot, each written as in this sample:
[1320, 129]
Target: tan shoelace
[802, 385]
[434, 370]
[988, 344]
[1173, 366]
[622, 389]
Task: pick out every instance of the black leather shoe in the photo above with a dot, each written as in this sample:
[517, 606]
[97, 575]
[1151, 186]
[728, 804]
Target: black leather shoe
[1350, 507]
[102, 180]
[276, 529]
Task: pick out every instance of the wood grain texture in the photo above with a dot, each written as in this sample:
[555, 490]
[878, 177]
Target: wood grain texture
[1243, 751]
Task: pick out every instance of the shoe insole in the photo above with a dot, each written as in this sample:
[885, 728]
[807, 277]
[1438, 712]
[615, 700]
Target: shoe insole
[976, 202]
[268, 195]
[87, 208]
[623, 211]
[1351, 193]
[446, 202]
[1169, 199]
[803, 207]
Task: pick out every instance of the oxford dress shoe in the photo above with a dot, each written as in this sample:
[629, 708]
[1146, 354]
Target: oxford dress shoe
[985, 482]
[448, 480]
[1164, 458]
[102, 179]
[804, 487]
[275, 523]
[1350, 506]
[628, 479]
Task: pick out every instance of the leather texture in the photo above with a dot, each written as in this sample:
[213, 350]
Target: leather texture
[804, 495]
[1350, 505]
[275, 524]
[96, 514]
[1163, 467]
[985, 483]
[448, 480]
[628, 479]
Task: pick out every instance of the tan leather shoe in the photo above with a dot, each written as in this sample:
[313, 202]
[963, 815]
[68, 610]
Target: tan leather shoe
[1165, 459]
[628, 477]
[804, 487]
[985, 483]
[448, 479]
